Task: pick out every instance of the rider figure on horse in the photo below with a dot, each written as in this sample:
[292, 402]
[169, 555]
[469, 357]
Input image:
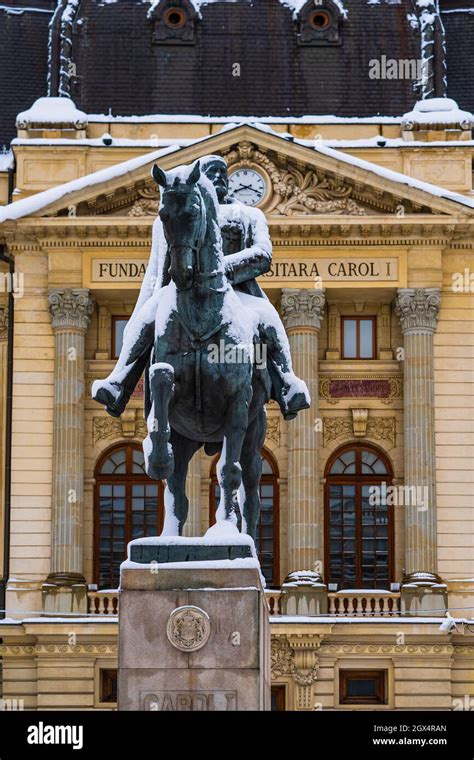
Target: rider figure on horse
[248, 250]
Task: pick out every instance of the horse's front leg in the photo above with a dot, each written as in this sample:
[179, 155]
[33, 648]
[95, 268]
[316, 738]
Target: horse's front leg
[229, 471]
[159, 459]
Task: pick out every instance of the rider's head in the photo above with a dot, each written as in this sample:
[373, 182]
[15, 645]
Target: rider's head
[215, 169]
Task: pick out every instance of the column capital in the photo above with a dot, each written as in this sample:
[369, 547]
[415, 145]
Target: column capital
[70, 308]
[3, 323]
[417, 309]
[302, 308]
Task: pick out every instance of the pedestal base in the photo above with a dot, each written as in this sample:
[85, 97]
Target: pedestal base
[193, 636]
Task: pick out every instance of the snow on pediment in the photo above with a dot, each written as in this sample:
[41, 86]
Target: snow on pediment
[303, 180]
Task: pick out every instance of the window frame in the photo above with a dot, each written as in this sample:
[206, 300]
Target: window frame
[278, 691]
[116, 318]
[358, 480]
[358, 318]
[273, 480]
[381, 679]
[128, 479]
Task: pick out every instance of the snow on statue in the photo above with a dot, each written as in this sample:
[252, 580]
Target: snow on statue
[200, 322]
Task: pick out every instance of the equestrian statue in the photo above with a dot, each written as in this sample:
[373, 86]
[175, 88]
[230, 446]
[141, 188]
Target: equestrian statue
[199, 331]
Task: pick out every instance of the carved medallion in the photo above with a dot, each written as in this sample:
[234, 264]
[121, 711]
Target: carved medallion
[188, 628]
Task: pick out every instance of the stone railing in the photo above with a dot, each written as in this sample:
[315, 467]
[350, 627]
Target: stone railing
[364, 603]
[273, 597]
[103, 602]
[340, 604]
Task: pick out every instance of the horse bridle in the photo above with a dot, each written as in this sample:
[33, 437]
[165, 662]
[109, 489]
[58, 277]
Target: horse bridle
[200, 238]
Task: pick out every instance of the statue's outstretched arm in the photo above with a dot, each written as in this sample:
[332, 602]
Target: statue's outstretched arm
[256, 258]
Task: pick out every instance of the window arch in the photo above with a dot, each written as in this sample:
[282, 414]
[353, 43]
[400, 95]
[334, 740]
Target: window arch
[268, 530]
[128, 505]
[358, 529]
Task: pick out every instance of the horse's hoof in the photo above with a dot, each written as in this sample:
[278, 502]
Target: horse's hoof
[159, 464]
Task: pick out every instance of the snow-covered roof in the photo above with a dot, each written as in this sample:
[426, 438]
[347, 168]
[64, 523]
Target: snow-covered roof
[40, 201]
[52, 111]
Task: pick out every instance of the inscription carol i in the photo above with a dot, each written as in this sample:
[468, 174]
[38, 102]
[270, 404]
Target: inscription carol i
[330, 270]
[184, 701]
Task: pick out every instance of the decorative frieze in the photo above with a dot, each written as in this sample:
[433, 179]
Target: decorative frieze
[130, 425]
[378, 428]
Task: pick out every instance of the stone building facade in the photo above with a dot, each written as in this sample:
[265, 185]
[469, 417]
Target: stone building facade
[371, 222]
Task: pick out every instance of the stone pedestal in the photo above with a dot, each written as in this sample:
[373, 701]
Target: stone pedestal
[193, 635]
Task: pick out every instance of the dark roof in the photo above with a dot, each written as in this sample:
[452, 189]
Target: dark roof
[121, 66]
[23, 61]
[458, 21]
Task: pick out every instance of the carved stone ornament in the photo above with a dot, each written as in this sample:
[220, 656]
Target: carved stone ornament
[70, 309]
[147, 204]
[378, 428]
[282, 658]
[418, 309]
[188, 628]
[302, 308]
[3, 323]
[296, 189]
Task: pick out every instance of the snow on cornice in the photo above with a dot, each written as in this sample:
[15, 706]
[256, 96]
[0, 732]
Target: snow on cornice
[45, 111]
[36, 203]
[23, 9]
[437, 113]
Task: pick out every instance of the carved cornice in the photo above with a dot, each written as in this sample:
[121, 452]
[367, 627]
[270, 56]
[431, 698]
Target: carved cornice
[22, 650]
[418, 309]
[70, 309]
[342, 649]
[302, 308]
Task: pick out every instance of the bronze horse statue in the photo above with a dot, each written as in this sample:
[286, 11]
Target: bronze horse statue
[198, 401]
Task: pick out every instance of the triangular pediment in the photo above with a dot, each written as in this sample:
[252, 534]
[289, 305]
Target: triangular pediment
[301, 181]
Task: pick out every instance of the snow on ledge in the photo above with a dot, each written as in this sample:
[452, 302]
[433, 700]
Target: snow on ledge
[437, 112]
[52, 111]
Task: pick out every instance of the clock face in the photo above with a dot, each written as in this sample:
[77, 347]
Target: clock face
[248, 186]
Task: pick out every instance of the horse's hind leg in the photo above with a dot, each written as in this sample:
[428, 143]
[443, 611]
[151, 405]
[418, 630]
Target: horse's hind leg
[159, 461]
[176, 501]
[251, 462]
[229, 471]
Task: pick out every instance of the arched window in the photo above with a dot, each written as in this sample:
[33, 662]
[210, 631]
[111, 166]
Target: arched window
[128, 505]
[267, 543]
[358, 522]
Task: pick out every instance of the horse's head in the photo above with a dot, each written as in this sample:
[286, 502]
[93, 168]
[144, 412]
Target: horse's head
[184, 222]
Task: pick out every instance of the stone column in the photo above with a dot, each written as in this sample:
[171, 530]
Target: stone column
[302, 312]
[3, 416]
[418, 310]
[70, 313]
[193, 490]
